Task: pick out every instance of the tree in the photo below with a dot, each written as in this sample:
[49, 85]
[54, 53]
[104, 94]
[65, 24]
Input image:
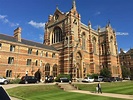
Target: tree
[125, 72]
[105, 72]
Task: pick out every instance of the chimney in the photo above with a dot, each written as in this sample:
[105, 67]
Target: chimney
[17, 34]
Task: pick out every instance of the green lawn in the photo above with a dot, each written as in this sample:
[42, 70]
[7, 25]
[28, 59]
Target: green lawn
[51, 92]
[113, 87]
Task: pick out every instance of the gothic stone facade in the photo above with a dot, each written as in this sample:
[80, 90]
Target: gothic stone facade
[82, 50]
[70, 47]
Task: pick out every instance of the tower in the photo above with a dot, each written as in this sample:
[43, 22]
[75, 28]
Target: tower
[82, 50]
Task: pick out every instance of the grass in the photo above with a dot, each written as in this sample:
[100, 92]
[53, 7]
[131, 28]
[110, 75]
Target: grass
[51, 92]
[113, 87]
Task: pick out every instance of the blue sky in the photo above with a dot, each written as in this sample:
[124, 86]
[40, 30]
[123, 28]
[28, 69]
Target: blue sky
[31, 16]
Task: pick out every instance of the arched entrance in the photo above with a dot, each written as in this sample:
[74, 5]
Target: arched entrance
[38, 75]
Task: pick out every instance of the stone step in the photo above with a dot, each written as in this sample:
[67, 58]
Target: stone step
[67, 86]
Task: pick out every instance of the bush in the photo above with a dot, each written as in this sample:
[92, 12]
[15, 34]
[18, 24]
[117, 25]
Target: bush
[95, 76]
[61, 76]
[14, 81]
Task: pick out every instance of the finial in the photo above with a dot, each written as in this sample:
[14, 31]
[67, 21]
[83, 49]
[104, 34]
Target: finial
[121, 50]
[108, 23]
[89, 24]
[57, 6]
[98, 28]
[74, 4]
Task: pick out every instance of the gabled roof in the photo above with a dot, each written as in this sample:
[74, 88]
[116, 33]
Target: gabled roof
[57, 10]
[122, 53]
[26, 42]
[129, 51]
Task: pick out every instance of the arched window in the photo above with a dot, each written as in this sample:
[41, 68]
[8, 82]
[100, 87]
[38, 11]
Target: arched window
[36, 63]
[112, 45]
[103, 48]
[55, 70]
[40, 63]
[46, 54]
[47, 69]
[94, 45]
[9, 73]
[53, 55]
[57, 35]
[83, 41]
[37, 52]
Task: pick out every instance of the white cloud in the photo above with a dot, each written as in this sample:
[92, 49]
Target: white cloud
[122, 33]
[96, 27]
[4, 19]
[97, 13]
[36, 25]
[2, 16]
[41, 37]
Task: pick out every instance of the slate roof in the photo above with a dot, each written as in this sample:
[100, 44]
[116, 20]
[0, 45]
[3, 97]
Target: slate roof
[122, 53]
[130, 51]
[102, 29]
[26, 42]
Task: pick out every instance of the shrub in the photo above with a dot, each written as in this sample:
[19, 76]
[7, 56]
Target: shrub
[15, 81]
[62, 75]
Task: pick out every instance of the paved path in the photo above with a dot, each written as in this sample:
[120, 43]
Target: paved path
[12, 98]
[105, 94]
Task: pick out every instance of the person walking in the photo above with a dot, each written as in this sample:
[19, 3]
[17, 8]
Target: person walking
[99, 87]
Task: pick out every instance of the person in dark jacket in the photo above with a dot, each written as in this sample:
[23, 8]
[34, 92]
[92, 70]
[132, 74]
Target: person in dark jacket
[99, 87]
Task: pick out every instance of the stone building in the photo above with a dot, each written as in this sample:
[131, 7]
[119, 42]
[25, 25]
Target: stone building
[126, 59]
[19, 57]
[69, 47]
[82, 50]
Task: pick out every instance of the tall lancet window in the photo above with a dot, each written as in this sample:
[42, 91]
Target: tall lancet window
[83, 41]
[47, 69]
[94, 45]
[57, 35]
[112, 45]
